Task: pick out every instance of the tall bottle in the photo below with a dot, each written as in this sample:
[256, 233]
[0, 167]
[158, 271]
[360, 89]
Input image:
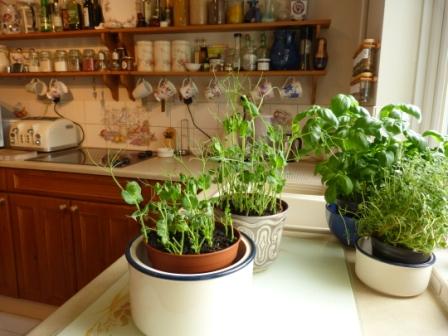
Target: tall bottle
[147, 11]
[88, 15]
[74, 15]
[56, 18]
[249, 59]
[263, 51]
[237, 54]
[98, 12]
[64, 15]
[45, 18]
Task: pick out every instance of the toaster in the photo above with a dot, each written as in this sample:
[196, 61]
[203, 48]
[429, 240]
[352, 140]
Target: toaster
[44, 134]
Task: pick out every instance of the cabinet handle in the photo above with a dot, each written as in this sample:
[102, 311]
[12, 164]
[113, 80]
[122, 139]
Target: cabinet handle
[2, 201]
[74, 208]
[62, 207]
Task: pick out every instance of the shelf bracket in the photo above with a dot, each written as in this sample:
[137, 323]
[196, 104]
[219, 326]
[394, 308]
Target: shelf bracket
[127, 41]
[129, 83]
[112, 82]
[110, 40]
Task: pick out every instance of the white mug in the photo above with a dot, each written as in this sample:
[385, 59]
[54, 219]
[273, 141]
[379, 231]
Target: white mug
[142, 90]
[165, 89]
[292, 88]
[213, 90]
[264, 90]
[37, 86]
[59, 86]
[188, 89]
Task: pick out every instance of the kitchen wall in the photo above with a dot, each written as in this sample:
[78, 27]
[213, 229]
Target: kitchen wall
[94, 108]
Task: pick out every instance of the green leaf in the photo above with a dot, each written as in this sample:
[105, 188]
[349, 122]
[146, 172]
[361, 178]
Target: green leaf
[386, 158]
[133, 193]
[300, 116]
[385, 111]
[250, 107]
[362, 111]
[345, 184]
[330, 194]
[328, 115]
[340, 103]
[434, 135]
[417, 140]
[412, 110]
[359, 140]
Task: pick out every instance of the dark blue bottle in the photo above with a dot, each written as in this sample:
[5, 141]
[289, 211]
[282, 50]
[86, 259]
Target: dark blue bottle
[284, 51]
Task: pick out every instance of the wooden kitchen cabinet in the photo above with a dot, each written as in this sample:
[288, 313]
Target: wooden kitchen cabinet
[43, 243]
[8, 282]
[67, 228]
[101, 234]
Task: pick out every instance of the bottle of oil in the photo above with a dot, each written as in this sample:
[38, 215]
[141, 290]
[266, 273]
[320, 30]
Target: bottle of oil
[45, 16]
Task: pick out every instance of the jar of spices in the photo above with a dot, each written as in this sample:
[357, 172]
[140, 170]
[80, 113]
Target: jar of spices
[235, 11]
[45, 61]
[60, 60]
[198, 12]
[101, 60]
[74, 60]
[180, 12]
[115, 62]
[33, 63]
[88, 60]
[127, 63]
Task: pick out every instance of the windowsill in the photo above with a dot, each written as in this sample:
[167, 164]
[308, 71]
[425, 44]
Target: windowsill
[439, 278]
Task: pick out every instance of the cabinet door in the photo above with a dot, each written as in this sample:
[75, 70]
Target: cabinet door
[43, 240]
[8, 282]
[101, 234]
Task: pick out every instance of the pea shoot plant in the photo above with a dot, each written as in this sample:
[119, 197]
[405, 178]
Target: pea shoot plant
[359, 148]
[182, 219]
[250, 169]
[410, 208]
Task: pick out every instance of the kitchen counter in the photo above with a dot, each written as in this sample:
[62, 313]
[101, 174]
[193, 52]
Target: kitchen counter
[299, 176]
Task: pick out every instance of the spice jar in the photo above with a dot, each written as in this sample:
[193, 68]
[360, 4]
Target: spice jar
[45, 61]
[198, 12]
[115, 62]
[60, 60]
[101, 60]
[74, 60]
[33, 63]
[88, 60]
[235, 11]
[127, 63]
[180, 12]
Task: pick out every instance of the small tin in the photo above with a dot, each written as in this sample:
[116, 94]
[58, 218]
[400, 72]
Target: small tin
[127, 63]
[263, 64]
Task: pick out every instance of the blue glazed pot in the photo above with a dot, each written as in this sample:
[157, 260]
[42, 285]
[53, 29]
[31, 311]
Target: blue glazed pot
[343, 227]
[284, 52]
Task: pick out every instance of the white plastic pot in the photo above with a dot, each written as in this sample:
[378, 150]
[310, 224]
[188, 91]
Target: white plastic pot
[170, 304]
[388, 277]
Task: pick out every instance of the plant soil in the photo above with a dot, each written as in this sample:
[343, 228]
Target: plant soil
[220, 242]
[281, 206]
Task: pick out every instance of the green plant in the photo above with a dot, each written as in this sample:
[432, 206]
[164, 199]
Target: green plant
[410, 207]
[183, 220]
[250, 169]
[360, 148]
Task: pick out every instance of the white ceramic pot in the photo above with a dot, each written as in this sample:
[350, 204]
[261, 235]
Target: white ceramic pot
[180, 54]
[266, 232]
[391, 278]
[119, 14]
[169, 304]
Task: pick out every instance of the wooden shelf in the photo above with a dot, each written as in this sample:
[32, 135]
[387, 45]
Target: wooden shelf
[229, 27]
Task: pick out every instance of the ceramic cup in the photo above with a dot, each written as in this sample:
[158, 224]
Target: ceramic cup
[37, 86]
[188, 89]
[142, 90]
[165, 89]
[59, 86]
[292, 88]
[263, 90]
[213, 90]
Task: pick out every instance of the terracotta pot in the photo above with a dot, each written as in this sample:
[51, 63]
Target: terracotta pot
[265, 231]
[194, 263]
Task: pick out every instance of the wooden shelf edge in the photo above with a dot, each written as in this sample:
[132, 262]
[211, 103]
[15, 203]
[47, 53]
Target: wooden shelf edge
[323, 24]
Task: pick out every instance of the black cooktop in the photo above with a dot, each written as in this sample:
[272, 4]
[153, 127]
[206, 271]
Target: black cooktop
[103, 157]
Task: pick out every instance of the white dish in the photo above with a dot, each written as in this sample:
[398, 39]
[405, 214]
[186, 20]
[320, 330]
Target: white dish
[193, 66]
[165, 152]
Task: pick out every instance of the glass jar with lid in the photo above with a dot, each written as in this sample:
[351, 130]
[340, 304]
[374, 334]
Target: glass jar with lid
[74, 60]
[88, 60]
[235, 11]
[45, 64]
[60, 60]
[33, 63]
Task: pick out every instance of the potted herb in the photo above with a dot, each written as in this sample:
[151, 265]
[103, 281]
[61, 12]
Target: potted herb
[249, 173]
[184, 263]
[401, 222]
[359, 150]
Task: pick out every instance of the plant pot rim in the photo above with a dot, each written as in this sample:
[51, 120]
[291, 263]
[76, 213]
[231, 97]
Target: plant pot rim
[285, 208]
[359, 248]
[139, 265]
